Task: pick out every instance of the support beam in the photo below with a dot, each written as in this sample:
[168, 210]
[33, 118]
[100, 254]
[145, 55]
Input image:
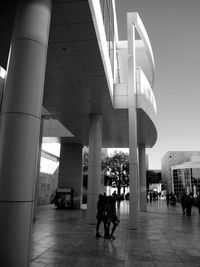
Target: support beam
[20, 128]
[94, 166]
[132, 117]
[142, 179]
[70, 171]
[38, 171]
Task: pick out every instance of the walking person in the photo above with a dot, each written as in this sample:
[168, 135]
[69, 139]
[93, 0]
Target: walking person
[111, 217]
[100, 213]
[167, 198]
[188, 203]
[198, 202]
[183, 202]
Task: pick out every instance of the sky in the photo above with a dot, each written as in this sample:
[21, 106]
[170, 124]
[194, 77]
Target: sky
[173, 29]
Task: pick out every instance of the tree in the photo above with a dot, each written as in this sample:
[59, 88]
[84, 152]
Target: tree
[85, 158]
[116, 170]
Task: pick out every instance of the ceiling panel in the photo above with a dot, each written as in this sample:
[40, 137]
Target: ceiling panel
[86, 47]
[61, 81]
[91, 60]
[75, 71]
[59, 33]
[56, 17]
[76, 12]
[79, 80]
[84, 31]
[63, 48]
[70, 61]
[95, 70]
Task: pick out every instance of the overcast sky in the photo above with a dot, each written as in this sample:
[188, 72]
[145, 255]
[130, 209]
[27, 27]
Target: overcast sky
[173, 27]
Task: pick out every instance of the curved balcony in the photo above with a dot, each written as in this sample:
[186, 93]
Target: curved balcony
[146, 111]
[146, 107]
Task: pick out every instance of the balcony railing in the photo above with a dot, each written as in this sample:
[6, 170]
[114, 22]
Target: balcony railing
[111, 31]
[105, 23]
[144, 88]
[114, 52]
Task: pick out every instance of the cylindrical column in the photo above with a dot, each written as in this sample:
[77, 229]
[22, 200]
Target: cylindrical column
[94, 166]
[38, 171]
[132, 113]
[20, 128]
[142, 179]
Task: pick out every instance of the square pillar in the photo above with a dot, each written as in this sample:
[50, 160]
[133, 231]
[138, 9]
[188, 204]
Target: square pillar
[142, 179]
[70, 171]
[94, 166]
[132, 117]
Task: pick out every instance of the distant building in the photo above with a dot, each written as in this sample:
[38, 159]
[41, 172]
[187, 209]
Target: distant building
[154, 180]
[174, 169]
[186, 176]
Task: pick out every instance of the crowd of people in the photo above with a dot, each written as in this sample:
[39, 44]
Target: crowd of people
[171, 199]
[106, 209]
[152, 195]
[188, 201]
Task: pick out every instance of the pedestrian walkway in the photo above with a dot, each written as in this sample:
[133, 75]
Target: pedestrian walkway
[165, 237]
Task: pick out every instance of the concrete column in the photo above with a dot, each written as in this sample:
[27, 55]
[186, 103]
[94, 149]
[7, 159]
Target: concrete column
[142, 179]
[70, 171]
[20, 128]
[94, 166]
[132, 113]
[38, 171]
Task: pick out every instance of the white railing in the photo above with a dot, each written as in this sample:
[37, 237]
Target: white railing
[144, 88]
[105, 23]
[144, 37]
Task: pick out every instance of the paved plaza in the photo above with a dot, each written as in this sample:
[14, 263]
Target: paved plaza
[165, 237]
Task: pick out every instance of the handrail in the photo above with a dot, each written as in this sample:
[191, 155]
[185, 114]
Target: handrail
[101, 37]
[144, 87]
[144, 36]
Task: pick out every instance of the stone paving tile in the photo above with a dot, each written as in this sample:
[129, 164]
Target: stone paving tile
[164, 238]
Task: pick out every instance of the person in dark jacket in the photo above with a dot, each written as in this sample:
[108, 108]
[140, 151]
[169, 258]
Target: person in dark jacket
[198, 202]
[110, 217]
[100, 213]
[183, 201]
[188, 204]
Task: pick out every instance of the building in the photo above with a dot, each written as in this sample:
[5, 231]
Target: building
[186, 177]
[154, 180]
[171, 159]
[69, 77]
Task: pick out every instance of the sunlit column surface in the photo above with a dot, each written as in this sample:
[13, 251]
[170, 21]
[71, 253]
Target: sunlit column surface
[142, 178]
[133, 159]
[38, 171]
[94, 166]
[19, 129]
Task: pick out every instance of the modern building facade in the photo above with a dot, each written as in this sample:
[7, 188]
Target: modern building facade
[64, 61]
[186, 177]
[175, 160]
